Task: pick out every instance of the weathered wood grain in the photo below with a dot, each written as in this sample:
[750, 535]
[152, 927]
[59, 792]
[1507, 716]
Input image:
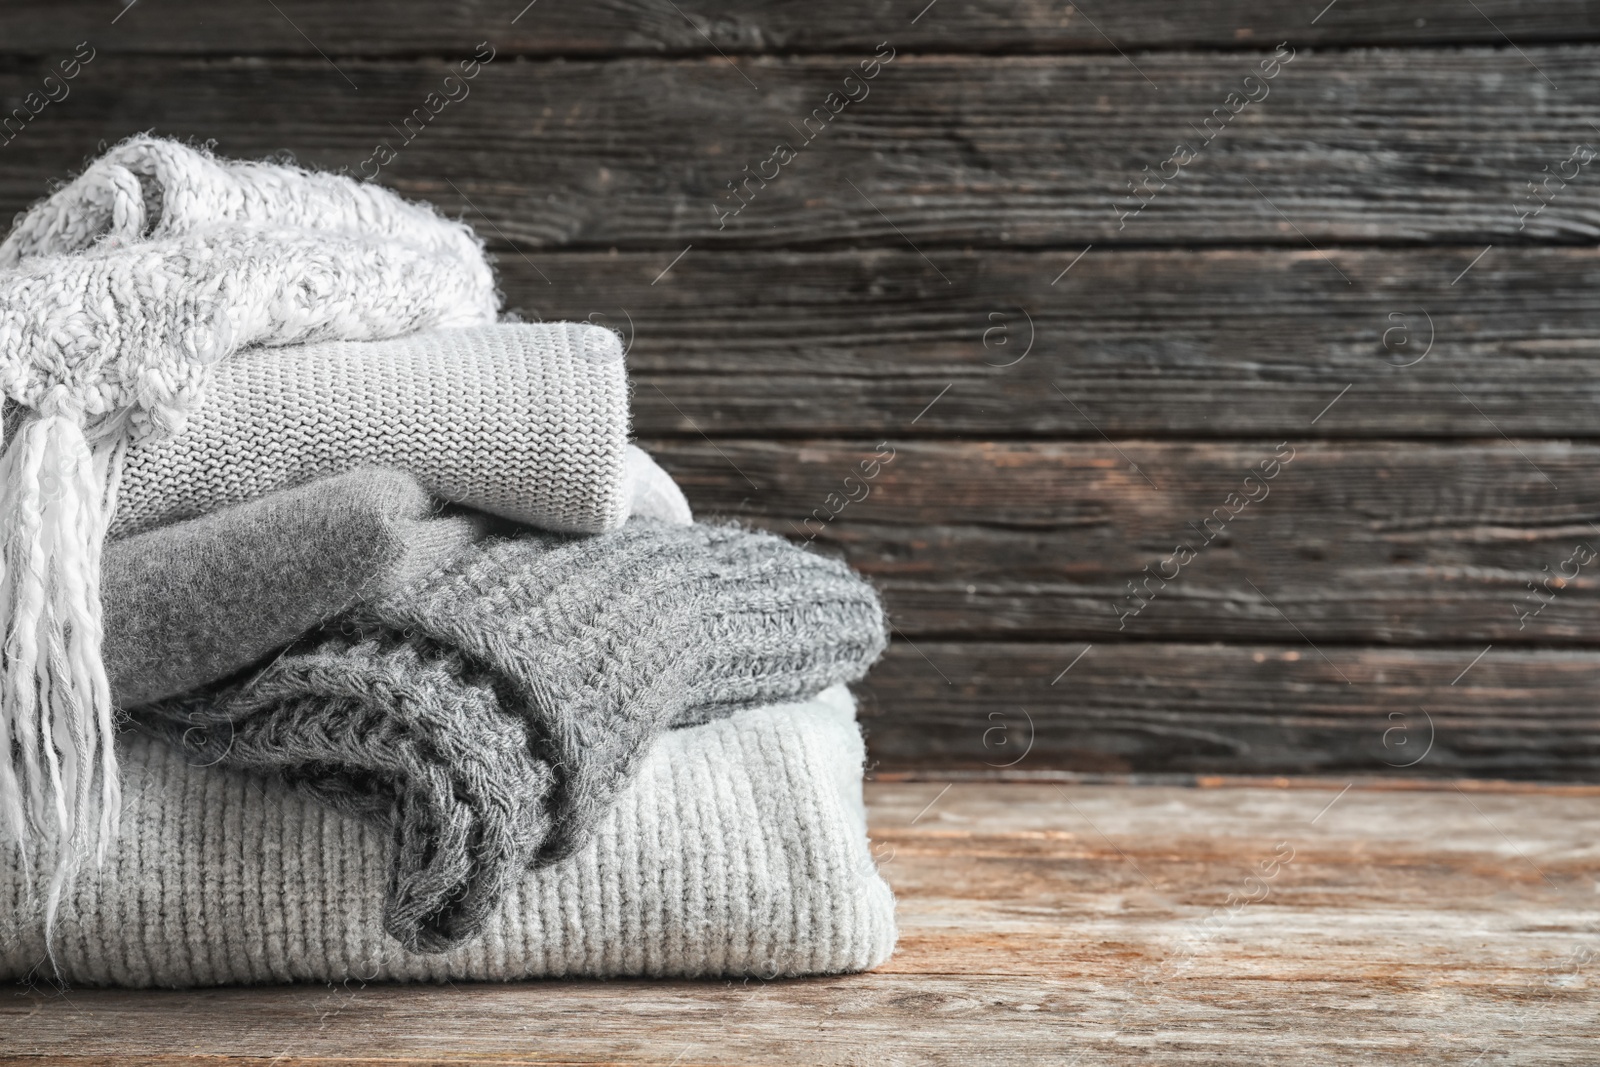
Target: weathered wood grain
[821, 311]
[1367, 542]
[1024, 708]
[1118, 925]
[1217, 344]
[613, 27]
[944, 152]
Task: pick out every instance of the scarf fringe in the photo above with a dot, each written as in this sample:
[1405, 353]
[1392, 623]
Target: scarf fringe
[58, 774]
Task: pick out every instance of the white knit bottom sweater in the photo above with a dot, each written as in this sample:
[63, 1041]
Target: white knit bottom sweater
[741, 849]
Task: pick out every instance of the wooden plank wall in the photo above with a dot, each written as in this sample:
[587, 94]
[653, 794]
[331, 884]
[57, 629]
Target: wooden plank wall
[1239, 423]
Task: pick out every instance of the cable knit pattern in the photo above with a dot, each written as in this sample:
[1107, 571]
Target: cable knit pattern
[491, 712]
[529, 422]
[739, 849]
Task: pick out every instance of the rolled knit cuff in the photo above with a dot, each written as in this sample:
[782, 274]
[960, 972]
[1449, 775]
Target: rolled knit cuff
[741, 849]
[528, 422]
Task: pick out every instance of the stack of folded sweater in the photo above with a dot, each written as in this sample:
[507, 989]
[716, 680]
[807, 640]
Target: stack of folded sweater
[346, 635]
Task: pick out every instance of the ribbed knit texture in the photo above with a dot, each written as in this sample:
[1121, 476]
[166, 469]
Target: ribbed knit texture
[739, 849]
[490, 713]
[529, 422]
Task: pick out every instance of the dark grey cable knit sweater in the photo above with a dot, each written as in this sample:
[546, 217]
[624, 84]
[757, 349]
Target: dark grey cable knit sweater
[491, 711]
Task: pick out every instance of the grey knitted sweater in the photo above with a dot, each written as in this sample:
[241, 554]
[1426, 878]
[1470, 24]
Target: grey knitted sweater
[490, 713]
[189, 604]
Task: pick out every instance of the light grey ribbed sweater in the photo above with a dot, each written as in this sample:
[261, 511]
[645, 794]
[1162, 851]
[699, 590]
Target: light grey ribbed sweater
[740, 849]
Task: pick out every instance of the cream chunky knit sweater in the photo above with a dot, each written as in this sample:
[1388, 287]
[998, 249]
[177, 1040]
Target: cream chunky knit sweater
[740, 849]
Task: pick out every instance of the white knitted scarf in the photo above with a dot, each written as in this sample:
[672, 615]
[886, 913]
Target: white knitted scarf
[117, 294]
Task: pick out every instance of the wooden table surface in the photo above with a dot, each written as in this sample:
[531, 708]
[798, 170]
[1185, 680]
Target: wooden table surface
[1288, 922]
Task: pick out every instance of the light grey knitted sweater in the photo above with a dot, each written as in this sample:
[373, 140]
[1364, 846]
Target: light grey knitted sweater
[740, 848]
[490, 713]
[525, 421]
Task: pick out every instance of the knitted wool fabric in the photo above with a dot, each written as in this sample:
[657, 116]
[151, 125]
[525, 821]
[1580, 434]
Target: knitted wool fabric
[739, 849]
[190, 604]
[126, 334]
[529, 422]
[150, 187]
[109, 343]
[491, 712]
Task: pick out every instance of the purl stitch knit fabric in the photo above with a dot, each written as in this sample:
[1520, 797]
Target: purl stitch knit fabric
[118, 294]
[491, 712]
[740, 848]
